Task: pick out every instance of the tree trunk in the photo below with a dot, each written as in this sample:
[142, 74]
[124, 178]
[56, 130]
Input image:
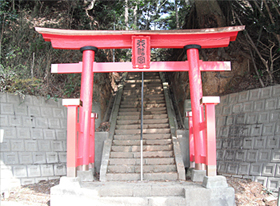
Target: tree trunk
[126, 15]
[177, 15]
[209, 14]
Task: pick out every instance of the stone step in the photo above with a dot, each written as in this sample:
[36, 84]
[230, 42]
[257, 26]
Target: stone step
[145, 137]
[171, 176]
[144, 113]
[145, 126]
[139, 109]
[146, 154]
[152, 105]
[125, 102]
[129, 92]
[145, 131]
[145, 142]
[137, 169]
[145, 148]
[139, 89]
[150, 98]
[147, 97]
[138, 86]
[145, 80]
[146, 161]
[156, 116]
[155, 189]
[145, 121]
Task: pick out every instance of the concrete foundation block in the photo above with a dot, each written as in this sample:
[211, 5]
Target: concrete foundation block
[252, 155]
[214, 182]
[59, 112]
[27, 181]
[33, 171]
[85, 176]
[256, 130]
[240, 155]
[49, 134]
[275, 156]
[248, 107]
[256, 169]
[268, 129]
[237, 108]
[34, 111]
[59, 169]
[269, 169]
[69, 182]
[57, 146]
[198, 175]
[31, 145]
[259, 105]
[20, 171]
[52, 157]
[46, 111]
[266, 92]
[4, 120]
[273, 184]
[37, 134]
[276, 91]
[244, 169]
[47, 170]
[3, 97]
[11, 158]
[61, 134]
[14, 121]
[5, 146]
[272, 142]
[232, 168]
[210, 197]
[54, 123]
[25, 158]
[270, 104]
[262, 180]
[41, 122]
[7, 108]
[264, 155]
[243, 96]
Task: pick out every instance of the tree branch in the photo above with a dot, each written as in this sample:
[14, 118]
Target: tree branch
[256, 69]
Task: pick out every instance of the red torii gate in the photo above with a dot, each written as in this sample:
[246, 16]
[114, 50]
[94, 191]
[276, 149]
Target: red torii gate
[80, 151]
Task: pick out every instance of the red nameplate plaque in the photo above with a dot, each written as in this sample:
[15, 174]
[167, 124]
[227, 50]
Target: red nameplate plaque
[141, 52]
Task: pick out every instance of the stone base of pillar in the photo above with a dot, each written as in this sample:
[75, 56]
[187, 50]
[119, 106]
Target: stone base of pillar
[198, 175]
[214, 182]
[85, 176]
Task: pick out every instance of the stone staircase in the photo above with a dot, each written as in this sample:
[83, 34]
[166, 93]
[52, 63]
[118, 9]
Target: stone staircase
[158, 155]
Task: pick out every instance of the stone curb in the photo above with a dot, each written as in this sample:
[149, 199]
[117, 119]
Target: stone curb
[176, 145]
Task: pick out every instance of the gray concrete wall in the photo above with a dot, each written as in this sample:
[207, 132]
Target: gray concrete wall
[248, 135]
[33, 140]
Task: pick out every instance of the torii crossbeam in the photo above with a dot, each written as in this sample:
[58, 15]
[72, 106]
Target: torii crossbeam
[203, 144]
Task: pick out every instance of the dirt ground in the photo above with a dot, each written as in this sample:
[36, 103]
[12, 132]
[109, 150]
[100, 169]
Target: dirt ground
[247, 193]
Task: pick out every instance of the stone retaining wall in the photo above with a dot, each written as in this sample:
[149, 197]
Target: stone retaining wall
[33, 140]
[248, 135]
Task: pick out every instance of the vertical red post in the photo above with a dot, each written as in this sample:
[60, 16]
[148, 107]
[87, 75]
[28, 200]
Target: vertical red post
[72, 132]
[191, 139]
[85, 111]
[92, 140]
[210, 102]
[196, 95]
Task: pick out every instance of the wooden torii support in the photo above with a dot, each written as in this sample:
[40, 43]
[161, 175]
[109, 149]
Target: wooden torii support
[80, 133]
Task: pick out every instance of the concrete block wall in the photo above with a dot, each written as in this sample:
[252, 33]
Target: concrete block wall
[248, 135]
[33, 144]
